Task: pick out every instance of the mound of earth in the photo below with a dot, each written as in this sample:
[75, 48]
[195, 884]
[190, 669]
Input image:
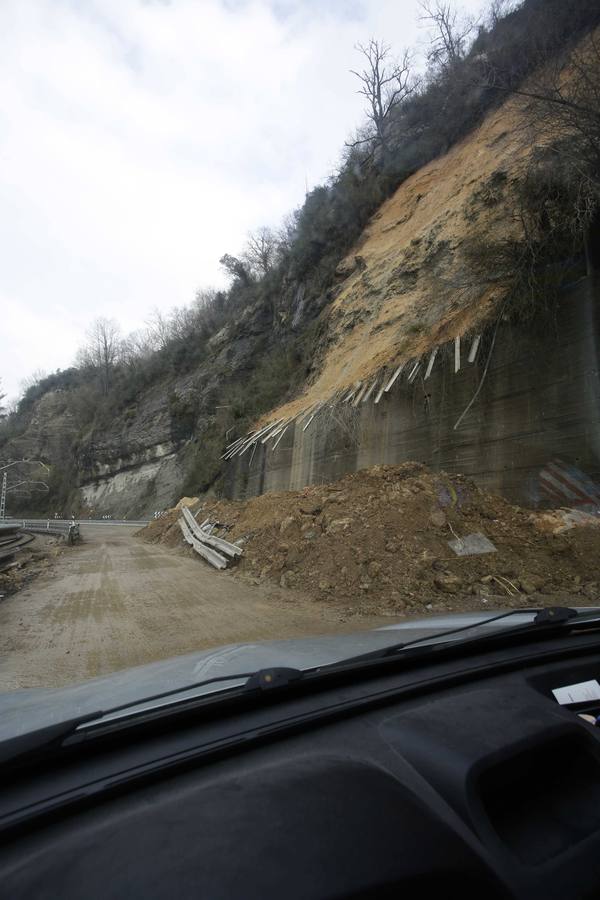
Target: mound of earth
[377, 541]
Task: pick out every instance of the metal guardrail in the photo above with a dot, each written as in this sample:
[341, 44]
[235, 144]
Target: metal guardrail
[136, 523]
[206, 544]
[68, 530]
[210, 555]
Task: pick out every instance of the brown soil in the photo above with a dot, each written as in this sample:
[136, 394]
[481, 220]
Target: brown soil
[377, 542]
[414, 288]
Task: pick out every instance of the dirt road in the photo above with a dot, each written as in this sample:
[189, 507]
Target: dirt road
[115, 602]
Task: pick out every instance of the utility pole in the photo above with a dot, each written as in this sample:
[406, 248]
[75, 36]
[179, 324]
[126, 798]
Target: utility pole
[3, 498]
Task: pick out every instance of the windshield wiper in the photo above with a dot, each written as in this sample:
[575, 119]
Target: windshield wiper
[29, 746]
[279, 677]
[550, 616]
[54, 737]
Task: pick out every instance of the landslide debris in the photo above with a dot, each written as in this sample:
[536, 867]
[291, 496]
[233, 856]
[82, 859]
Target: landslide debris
[376, 541]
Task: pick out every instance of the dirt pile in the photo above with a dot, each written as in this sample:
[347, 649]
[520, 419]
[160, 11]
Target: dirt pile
[377, 541]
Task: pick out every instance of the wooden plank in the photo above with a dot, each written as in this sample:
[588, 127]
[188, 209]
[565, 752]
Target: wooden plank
[358, 395]
[305, 413]
[381, 389]
[280, 436]
[279, 428]
[309, 421]
[272, 427]
[414, 371]
[369, 392]
[239, 440]
[474, 348]
[255, 437]
[249, 441]
[232, 447]
[392, 380]
[350, 394]
[431, 362]
[456, 353]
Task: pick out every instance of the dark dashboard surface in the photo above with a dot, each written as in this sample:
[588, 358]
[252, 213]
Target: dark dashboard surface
[485, 789]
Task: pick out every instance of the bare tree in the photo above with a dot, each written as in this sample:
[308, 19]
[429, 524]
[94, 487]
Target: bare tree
[261, 251]
[450, 31]
[562, 106]
[158, 329]
[499, 9]
[385, 83]
[2, 407]
[31, 380]
[102, 349]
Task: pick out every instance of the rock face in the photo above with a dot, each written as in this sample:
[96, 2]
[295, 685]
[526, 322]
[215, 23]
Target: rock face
[407, 286]
[138, 460]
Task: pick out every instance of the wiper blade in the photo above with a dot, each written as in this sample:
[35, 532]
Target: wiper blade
[251, 682]
[29, 746]
[552, 615]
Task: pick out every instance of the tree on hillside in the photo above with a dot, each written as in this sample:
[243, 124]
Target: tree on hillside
[32, 380]
[563, 104]
[385, 83]
[2, 407]
[101, 352]
[498, 10]
[450, 31]
[235, 268]
[261, 249]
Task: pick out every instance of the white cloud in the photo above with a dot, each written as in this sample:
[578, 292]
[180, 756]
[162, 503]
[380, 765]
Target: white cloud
[142, 139]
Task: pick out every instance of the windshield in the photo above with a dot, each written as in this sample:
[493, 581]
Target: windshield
[299, 335]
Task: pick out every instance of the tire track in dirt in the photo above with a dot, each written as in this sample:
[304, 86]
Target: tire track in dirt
[114, 602]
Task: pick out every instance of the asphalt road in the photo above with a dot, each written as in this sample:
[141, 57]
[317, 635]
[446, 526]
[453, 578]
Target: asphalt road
[114, 602]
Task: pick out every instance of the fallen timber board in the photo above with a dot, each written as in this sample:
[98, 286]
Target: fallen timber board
[360, 394]
[381, 390]
[456, 353]
[370, 391]
[474, 348]
[414, 371]
[279, 438]
[392, 380]
[430, 363]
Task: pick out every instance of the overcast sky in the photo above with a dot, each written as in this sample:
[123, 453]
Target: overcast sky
[142, 139]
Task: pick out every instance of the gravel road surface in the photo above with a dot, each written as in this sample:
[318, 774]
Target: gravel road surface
[114, 602]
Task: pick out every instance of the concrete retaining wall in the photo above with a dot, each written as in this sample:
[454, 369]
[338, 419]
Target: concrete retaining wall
[540, 401]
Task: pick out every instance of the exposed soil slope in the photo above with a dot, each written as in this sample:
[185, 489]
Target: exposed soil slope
[408, 286]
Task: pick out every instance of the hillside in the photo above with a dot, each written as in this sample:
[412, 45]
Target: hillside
[408, 286]
[459, 232]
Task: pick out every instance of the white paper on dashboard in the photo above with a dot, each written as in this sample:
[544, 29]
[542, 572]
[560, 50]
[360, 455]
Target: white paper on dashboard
[581, 692]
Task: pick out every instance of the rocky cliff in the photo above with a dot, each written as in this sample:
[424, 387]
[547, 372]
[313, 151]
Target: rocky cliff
[415, 292]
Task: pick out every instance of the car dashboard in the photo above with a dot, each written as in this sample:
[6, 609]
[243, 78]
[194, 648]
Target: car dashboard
[467, 780]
